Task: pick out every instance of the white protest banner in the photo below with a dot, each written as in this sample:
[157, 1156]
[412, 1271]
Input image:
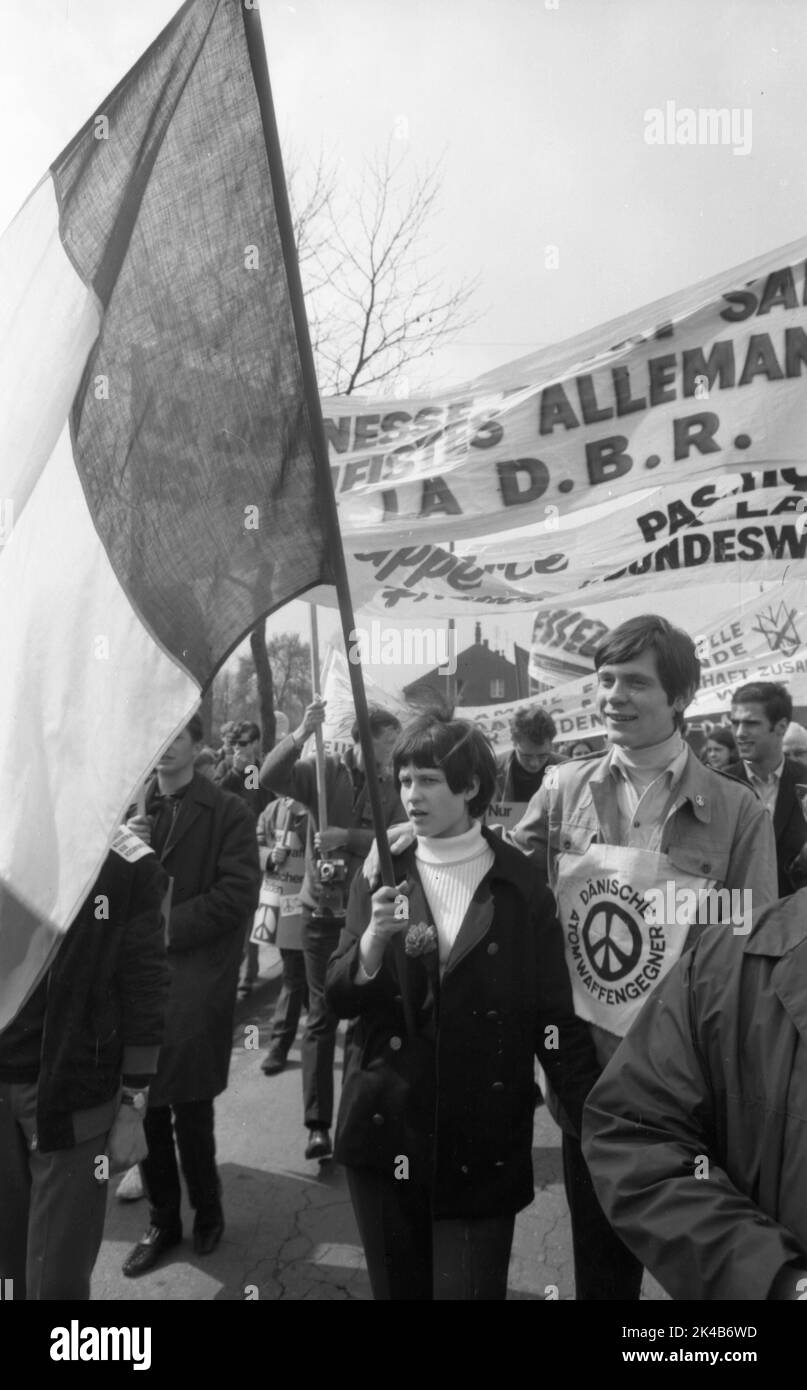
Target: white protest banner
[765, 639]
[339, 712]
[702, 382]
[494, 720]
[750, 526]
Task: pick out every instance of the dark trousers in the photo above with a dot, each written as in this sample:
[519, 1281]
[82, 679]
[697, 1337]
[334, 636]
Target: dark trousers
[320, 939]
[193, 1126]
[289, 1003]
[52, 1206]
[250, 965]
[411, 1256]
[604, 1268]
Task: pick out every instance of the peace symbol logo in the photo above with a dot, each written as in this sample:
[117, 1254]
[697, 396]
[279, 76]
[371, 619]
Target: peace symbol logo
[612, 941]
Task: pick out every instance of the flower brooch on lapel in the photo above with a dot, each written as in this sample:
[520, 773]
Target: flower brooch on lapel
[420, 939]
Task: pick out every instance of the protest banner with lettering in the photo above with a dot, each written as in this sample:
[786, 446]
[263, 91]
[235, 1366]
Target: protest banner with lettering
[765, 639]
[749, 527]
[700, 383]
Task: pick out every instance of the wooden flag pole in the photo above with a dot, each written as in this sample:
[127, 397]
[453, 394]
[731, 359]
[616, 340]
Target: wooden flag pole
[319, 443]
[322, 802]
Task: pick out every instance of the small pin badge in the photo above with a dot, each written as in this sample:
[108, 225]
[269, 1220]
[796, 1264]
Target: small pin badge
[400, 908]
[699, 801]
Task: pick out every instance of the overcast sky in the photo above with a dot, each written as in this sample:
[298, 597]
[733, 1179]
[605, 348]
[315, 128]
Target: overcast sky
[538, 111]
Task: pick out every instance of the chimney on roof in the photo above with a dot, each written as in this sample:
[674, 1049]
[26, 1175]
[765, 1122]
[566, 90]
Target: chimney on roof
[478, 634]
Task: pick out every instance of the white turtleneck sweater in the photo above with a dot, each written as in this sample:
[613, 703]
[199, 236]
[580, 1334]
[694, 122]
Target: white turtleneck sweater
[450, 870]
[646, 783]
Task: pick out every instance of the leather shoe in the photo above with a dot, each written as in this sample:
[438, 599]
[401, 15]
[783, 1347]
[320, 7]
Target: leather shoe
[272, 1064]
[207, 1237]
[319, 1145]
[145, 1255]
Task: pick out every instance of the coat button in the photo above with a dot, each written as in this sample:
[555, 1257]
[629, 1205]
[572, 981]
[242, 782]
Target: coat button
[464, 1168]
[493, 1015]
[378, 1119]
[497, 1086]
[395, 1044]
[499, 1163]
[492, 948]
[706, 867]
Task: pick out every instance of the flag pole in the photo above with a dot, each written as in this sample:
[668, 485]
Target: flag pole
[322, 803]
[260, 75]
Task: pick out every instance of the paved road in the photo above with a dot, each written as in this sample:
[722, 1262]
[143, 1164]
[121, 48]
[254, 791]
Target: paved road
[290, 1229]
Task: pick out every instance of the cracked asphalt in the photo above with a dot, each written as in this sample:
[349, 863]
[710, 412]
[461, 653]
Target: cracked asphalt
[290, 1232]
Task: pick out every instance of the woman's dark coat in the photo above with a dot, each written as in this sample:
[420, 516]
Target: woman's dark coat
[440, 1073]
[212, 857]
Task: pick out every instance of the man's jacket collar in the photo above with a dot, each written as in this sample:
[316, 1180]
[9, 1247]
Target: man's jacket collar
[200, 793]
[695, 785]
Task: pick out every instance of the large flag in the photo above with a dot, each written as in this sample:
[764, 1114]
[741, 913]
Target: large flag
[157, 473]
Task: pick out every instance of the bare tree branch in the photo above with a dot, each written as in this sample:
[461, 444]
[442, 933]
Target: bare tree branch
[375, 303]
[372, 305]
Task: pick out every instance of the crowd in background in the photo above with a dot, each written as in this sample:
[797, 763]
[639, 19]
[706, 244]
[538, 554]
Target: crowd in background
[513, 923]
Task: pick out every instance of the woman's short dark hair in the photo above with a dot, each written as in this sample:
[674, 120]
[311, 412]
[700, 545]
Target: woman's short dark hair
[457, 747]
[720, 734]
[678, 667]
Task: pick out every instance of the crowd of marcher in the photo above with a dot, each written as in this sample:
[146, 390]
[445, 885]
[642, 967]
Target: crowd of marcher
[630, 917]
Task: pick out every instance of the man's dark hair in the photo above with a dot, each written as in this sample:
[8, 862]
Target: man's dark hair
[678, 667]
[246, 729]
[772, 695]
[196, 728]
[534, 723]
[379, 720]
[457, 747]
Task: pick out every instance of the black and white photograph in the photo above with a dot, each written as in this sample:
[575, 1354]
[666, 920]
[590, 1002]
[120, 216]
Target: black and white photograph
[403, 617]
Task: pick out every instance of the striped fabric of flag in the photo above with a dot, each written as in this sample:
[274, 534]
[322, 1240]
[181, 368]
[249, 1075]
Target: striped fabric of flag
[157, 479]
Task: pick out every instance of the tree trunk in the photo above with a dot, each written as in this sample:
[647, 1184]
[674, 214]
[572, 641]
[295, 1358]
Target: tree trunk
[266, 692]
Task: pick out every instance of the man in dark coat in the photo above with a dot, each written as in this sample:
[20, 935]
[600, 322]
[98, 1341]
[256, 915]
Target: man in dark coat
[695, 1132]
[75, 1065]
[206, 840]
[760, 714]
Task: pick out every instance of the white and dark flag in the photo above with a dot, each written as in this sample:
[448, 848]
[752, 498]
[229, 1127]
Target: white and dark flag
[157, 481]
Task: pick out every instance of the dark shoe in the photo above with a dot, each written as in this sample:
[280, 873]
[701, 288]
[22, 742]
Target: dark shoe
[145, 1255]
[319, 1145]
[207, 1235]
[272, 1063]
